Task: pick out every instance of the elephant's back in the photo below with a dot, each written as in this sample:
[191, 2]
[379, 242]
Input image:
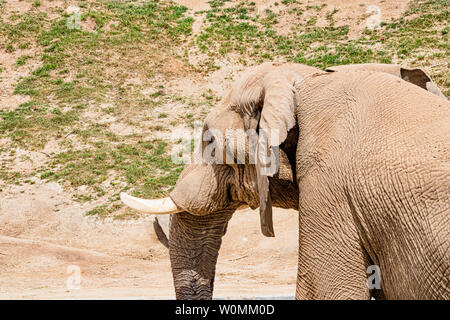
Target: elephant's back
[396, 128]
[382, 108]
[375, 119]
[400, 121]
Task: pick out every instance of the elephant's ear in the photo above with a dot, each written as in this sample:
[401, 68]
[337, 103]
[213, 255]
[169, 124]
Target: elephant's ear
[277, 118]
[421, 79]
[415, 76]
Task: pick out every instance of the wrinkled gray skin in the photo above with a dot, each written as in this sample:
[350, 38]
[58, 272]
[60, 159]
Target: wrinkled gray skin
[369, 153]
[413, 75]
[210, 194]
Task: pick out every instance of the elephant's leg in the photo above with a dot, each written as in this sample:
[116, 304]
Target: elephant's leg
[332, 263]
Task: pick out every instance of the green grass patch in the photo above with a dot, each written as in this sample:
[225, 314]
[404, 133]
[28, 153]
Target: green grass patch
[146, 165]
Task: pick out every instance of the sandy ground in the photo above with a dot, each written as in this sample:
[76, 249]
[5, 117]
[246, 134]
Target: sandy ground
[43, 250]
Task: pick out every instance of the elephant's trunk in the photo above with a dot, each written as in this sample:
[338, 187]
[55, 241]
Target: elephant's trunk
[194, 245]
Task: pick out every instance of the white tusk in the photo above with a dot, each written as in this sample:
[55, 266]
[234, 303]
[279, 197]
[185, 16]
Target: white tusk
[157, 206]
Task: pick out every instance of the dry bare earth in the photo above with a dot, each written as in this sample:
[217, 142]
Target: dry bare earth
[44, 231]
[125, 260]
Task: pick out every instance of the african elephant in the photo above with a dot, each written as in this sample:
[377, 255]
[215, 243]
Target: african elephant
[414, 75]
[362, 155]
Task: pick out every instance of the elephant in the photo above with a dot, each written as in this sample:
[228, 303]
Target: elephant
[414, 75]
[361, 154]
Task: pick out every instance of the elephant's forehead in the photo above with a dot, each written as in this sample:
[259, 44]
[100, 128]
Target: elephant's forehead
[218, 110]
[248, 90]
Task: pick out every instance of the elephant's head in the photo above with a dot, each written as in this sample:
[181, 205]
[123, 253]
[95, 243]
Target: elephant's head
[208, 193]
